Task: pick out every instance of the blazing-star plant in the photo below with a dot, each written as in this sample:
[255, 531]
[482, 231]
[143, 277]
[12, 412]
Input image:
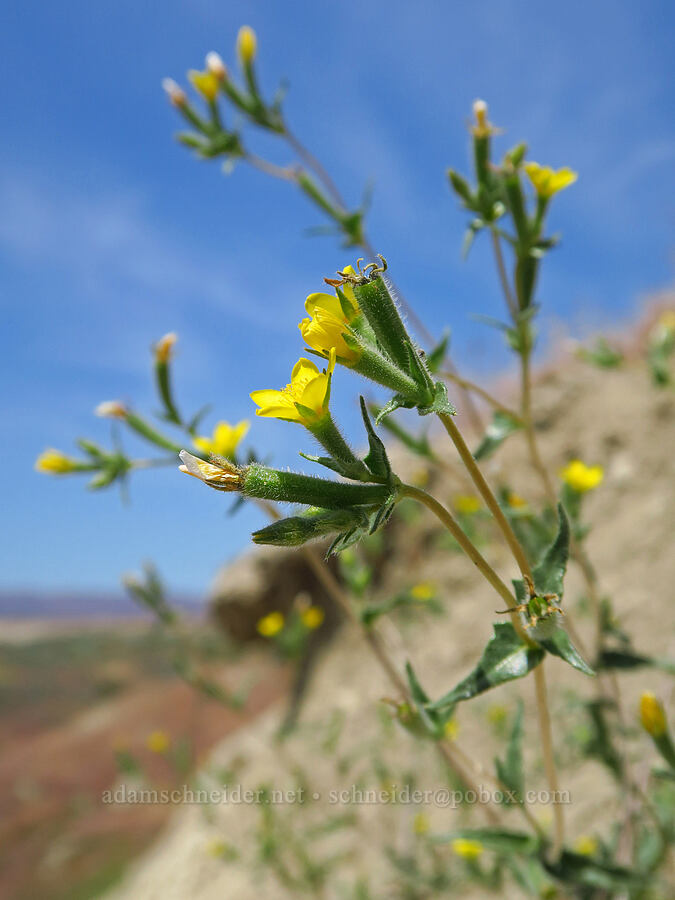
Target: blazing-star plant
[358, 323]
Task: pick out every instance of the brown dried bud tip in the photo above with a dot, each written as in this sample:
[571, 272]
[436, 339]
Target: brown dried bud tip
[175, 92]
[216, 66]
[221, 475]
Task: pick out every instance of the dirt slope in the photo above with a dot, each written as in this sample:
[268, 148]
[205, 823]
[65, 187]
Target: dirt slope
[614, 417]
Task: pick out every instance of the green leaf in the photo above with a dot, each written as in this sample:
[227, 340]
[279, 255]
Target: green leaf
[577, 868]
[626, 659]
[502, 426]
[377, 459]
[498, 839]
[510, 770]
[504, 658]
[559, 644]
[346, 469]
[440, 403]
[549, 572]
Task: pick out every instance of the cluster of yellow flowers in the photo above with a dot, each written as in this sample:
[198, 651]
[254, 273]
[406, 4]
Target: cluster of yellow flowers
[270, 625]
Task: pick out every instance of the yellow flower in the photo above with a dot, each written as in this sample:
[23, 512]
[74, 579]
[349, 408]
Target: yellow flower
[247, 44]
[111, 409]
[547, 181]
[305, 399]
[467, 849]
[205, 83]
[451, 729]
[580, 477]
[164, 347]
[423, 590]
[328, 322]
[53, 462]
[652, 715]
[312, 617]
[421, 823]
[496, 714]
[158, 742]
[270, 624]
[467, 504]
[515, 501]
[224, 440]
[586, 845]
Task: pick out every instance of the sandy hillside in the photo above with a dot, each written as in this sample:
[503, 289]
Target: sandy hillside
[616, 417]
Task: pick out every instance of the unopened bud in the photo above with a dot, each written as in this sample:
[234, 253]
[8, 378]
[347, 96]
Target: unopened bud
[216, 66]
[164, 347]
[175, 92]
[247, 44]
[652, 715]
[111, 409]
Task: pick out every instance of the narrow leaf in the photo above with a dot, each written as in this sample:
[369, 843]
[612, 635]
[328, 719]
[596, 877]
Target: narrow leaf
[377, 459]
[502, 426]
[504, 658]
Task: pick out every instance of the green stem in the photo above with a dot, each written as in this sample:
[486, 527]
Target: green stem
[486, 493]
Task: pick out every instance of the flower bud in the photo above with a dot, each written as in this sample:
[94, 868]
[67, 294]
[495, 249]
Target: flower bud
[216, 66]
[652, 715]
[176, 94]
[247, 44]
[53, 462]
[111, 409]
[164, 347]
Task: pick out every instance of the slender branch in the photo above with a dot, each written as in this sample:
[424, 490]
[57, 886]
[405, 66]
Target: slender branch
[486, 493]
[310, 160]
[453, 526]
[285, 173]
[546, 736]
[503, 277]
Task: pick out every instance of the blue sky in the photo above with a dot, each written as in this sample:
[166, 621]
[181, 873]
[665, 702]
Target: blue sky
[111, 234]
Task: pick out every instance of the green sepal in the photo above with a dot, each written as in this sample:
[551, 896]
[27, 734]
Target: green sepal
[418, 369]
[377, 460]
[505, 658]
[502, 426]
[474, 227]
[372, 521]
[313, 524]
[516, 155]
[355, 471]
[440, 403]
[510, 770]
[461, 188]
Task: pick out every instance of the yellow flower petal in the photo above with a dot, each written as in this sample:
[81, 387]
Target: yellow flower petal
[247, 44]
[546, 181]
[652, 715]
[53, 462]
[312, 617]
[580, 477]
[205, 83]
[467, 849]
[270, 624]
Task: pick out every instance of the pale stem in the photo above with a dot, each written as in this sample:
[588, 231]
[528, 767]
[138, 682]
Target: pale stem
[545, 734]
